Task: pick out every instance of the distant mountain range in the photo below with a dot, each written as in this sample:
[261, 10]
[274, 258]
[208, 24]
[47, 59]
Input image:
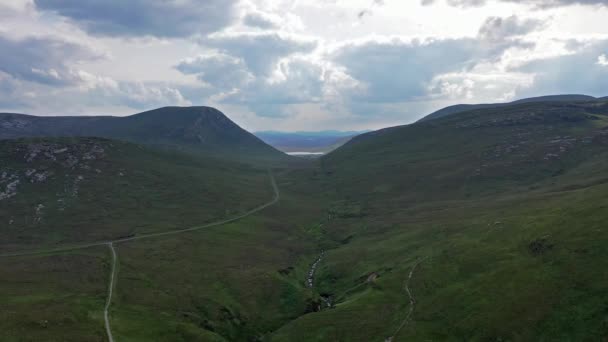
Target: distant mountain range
[467, 107]
[314, 142]
[199, 129]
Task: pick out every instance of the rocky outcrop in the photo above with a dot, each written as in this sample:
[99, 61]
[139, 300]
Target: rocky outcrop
[10, 191]
[36, 162]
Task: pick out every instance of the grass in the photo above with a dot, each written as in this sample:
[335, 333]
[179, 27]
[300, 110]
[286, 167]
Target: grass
[53, 298]
[126, 190]
[506, 208]
[480, 281]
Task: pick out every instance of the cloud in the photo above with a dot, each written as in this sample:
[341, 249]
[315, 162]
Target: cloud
[265, 71]
[261, 20]
[480, 85]
[497, 28]
[91, 91]
[141, 95]
[259, 51]
[159, 18]
[11, 95]
[299, 81]
[581, 72]
[12, 7]
[535, 3]
[602, 60]
[42, 59]
[396, 70]
[221, 71]
[270, 110]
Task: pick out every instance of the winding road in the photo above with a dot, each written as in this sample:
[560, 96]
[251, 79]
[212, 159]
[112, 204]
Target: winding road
[111, 243]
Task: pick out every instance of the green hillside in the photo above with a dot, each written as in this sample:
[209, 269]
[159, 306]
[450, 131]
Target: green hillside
[490, 222]
[488, 225]
[66, 190]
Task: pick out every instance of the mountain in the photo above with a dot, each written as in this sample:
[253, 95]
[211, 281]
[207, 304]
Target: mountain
[466, 107]
[322, 141]
[457, 147]
[200, 129]
[488, 225]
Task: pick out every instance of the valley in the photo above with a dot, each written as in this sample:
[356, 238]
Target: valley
[486, 224]
[303, 171]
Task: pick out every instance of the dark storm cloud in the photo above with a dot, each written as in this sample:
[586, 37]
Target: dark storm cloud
[160, 18]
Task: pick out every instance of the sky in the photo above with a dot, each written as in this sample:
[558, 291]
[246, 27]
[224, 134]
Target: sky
[300, 64]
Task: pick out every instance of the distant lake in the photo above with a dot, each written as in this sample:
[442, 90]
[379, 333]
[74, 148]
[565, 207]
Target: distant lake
[305, 153]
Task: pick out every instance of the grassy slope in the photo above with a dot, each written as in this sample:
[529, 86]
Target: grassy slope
[511, 242]
[53, 298]
[101, 189]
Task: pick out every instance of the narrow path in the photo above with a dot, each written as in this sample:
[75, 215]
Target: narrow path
[67, 248]
[406, 321]
[106, 314]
